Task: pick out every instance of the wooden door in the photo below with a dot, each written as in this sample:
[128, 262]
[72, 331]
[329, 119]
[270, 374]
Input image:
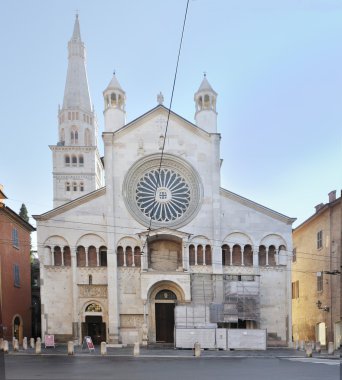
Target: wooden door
[165, 322]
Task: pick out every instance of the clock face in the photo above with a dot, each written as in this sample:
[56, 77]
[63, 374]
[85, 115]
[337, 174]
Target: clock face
[167, 195]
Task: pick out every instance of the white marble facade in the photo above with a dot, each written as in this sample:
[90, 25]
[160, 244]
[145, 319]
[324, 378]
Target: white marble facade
[141, 239]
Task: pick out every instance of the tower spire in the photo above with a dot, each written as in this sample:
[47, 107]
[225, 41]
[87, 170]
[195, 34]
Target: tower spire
[76, 92]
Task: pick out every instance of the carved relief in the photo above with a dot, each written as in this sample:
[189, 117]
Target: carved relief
[92, 291]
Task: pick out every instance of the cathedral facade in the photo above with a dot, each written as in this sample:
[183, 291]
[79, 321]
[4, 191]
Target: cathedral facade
[145, 240]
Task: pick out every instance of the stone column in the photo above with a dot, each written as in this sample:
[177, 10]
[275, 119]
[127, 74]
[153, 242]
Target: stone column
[75, 318]
[256, 258]
[98, 257]
[185, 255]
[196, 247]
[242, 255]
[277, 256]
[62, 256]
[267, 250]
[86, 255]
[230, 256]
[124, 257]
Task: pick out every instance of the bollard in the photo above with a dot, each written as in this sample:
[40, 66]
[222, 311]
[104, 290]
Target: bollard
[197, 349]
[71, 347]
[15, 345]
[6, 346]
[297, 345]
[38, 347]
[308, 350]
[1, 344]
[39, 340]
[313, 345]
[136, 349]
[318, 347]
[301, 345]
[32, 342]
[331, 348]
[25, 343]
[103, 348]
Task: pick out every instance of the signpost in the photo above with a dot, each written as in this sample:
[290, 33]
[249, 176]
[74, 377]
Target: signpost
[88, 341]
[49, 341]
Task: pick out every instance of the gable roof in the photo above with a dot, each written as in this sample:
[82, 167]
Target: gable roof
[162, 108]
[18, 219]
[72, 204]
[256, 206]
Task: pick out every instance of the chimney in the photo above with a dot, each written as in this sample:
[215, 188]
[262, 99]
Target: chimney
[332, 196]
[318, 207]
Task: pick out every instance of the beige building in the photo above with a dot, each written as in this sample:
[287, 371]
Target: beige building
[316, 275]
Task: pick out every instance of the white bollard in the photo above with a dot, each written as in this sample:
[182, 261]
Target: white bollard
[331, 348]
[1, 344]
[297, 345]
[6, 346]
[318, 347]
[25, 343]
[136, 349]
[71, 347]
[103, 348]
[16, 345]
[38, 347]
[197, 349]
[39, 340]
[302, 345]
[32, 342]
[308, 350]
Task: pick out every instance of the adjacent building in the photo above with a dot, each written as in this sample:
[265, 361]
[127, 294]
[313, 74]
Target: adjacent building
[15, 272]
[150, 241]
[316, 275]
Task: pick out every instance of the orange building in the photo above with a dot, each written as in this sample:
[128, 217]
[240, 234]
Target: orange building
[15, 273]
[316, 275]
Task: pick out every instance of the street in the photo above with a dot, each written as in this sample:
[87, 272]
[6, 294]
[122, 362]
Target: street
[154, 368]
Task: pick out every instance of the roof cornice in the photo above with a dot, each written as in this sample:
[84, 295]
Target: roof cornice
[70, 205]
[257, 207]
[12, 214]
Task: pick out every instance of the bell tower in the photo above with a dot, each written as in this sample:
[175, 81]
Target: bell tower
[205, 100]
[77, 167]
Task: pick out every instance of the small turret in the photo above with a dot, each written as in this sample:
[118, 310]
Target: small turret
[114, 106]
[205, 100]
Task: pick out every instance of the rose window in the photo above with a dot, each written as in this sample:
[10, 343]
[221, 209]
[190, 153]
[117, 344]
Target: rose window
[163, 195]
[167, 195]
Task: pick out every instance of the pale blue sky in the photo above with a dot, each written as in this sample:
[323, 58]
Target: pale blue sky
[276, 65]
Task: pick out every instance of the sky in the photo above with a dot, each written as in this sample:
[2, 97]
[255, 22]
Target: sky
[276, 66]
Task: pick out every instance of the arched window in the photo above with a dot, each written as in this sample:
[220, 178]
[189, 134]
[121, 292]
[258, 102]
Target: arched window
[67, 257]
[120, 256]
[191, 254]
[67, 160]
[74, 160]
[225, 255]
[81, 186]
[92, 256]
[248, 255]
[137, 256]
[80, 160]
[208, 254]
[67, 186]
[81, 256]
[90, 279]
[76, 137]
[74, 186]
[200, 255]
[103, 256]
[236, 255]
[271, 255]
[129, 256]
[113, 99]
[206, 101]
[262, 255]
[57, 256]
[72, 137]
[87, 141]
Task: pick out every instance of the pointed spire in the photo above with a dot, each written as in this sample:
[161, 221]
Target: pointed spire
[76, 35]
[76, 93]
[114, 84]
[205, 85]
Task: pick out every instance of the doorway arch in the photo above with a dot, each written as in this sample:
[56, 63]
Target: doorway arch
[163, 298]
[17, 328]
